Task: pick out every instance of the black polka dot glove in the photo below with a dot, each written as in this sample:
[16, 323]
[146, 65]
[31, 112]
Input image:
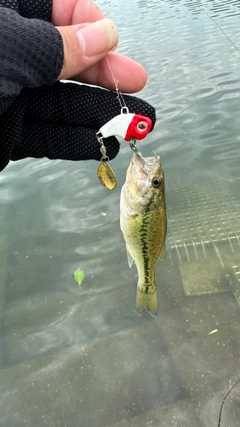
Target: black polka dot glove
[61, 121]
[40, 117]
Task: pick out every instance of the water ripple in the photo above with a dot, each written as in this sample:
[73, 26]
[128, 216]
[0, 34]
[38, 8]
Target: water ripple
[56, 217]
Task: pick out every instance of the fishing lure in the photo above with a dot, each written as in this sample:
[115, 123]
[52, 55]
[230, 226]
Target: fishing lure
[130, 127]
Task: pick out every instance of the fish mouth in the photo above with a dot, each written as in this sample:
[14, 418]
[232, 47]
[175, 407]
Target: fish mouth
[147, 164]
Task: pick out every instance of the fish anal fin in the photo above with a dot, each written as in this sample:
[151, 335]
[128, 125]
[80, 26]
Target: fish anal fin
[162, 255]
[147, 300]
[129, 257]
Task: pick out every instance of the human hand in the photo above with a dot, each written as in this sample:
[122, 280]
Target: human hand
[87, 39]
[41, 117]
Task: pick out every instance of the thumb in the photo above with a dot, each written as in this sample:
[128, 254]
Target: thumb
[86, 44]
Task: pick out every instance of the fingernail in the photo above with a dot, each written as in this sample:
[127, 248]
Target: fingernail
[98, 37]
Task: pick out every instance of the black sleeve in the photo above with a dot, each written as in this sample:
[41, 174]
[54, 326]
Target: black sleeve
[31, 55]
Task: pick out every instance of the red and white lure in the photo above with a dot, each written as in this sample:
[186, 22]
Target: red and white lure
[128, 126]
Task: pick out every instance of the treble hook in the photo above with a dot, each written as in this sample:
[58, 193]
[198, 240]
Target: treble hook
[139, 155]
[146, 163]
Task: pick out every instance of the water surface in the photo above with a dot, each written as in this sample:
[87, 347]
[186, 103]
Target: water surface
[80, 356]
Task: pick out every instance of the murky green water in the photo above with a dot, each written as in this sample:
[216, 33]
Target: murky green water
[73, 356]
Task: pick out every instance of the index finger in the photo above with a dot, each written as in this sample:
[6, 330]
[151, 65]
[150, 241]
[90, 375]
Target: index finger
[70, 12]
[115, 69]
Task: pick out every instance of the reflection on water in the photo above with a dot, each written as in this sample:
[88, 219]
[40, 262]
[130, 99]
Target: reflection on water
[80, 356]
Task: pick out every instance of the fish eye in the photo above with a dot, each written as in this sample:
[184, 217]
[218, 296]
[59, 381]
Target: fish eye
[156, 182]
[142, 126]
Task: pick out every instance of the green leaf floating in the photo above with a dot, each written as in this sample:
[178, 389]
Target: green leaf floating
[79, 275]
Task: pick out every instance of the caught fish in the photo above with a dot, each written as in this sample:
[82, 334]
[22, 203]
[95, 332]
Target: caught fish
[143, 223]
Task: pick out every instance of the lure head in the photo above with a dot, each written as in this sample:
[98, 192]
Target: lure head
[126, 125]
[138, 128]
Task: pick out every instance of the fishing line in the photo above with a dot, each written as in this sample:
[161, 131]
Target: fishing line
[223, 401]
[111, 71]
[215, 22]
[125, 110]
[120, 98]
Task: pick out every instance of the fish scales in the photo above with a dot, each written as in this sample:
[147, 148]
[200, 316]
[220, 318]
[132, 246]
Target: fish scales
[144, 224]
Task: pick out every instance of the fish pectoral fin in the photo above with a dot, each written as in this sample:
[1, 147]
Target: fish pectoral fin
[162, 255]
[147, 299]
[129, 257]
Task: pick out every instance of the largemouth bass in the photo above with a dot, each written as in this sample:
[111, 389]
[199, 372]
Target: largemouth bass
[143, 223]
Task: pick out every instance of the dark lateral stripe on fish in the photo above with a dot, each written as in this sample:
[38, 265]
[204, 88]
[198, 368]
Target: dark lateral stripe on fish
[149, 205]
[145, 250]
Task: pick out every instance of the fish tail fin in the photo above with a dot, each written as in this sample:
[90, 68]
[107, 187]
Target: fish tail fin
[147, 298]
